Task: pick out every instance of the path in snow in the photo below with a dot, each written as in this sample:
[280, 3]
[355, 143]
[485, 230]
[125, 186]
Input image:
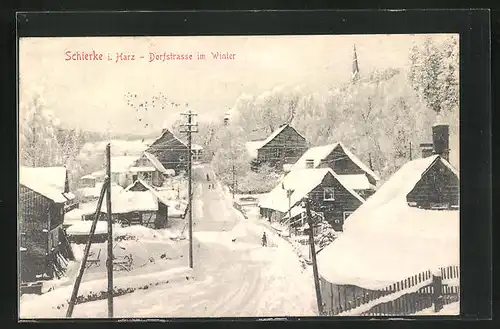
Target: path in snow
[232, 279]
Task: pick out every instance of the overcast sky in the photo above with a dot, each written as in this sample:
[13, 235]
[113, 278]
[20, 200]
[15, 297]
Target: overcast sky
[91, 94]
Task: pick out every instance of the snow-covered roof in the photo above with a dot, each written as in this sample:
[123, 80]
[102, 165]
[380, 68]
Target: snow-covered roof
[129, 201]
[385, 240]
[48, 181]
[253, 148]
[301, 182]
[165, 131]
[295, 211]
[142, 169]
[155, 162]
[162, 197]
[277, 132]
[356, 182]
[319, 153]
[96, 191]
[83, 228]
[120, 164]
[88, 177]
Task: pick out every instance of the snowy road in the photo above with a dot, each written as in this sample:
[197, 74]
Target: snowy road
[232, 278]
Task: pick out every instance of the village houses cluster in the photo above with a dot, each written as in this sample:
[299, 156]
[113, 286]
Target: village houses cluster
[145, 190]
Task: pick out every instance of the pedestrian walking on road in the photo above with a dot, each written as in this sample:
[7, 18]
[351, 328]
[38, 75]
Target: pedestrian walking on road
[264, 240]
[208, 178]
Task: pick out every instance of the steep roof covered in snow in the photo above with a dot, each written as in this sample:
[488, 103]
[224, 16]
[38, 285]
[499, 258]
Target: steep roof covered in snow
[356, 181]
[48, 181]
[166, 133]
[385, 240]
[253, 146]
[301, 182]
[155, 162]
[318, 153]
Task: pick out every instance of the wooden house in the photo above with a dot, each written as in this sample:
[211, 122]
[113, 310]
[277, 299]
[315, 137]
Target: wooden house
[149, 169]
[171, 151]
[344, 163]
[284, 146]
[43, 195]
[161, 216]
[87, 181]
[411, 225]
[330, 197]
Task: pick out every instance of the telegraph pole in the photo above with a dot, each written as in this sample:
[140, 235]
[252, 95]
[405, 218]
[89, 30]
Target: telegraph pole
[313, 256]
[109, 263]
[190, 127]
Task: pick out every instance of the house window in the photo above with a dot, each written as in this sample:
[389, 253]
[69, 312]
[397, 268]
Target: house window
[329, 194]
[147, 176]
[22, 242]
[347, 214]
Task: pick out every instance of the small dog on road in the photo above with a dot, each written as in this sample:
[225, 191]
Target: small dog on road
[233, 240]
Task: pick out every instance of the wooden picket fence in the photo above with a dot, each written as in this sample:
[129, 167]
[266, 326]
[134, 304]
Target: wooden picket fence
[405, 297]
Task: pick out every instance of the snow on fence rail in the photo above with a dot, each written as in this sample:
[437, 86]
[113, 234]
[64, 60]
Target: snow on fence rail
[240, 209]
[405, 297]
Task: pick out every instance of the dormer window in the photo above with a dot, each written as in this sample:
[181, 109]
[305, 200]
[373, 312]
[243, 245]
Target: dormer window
[310, 164]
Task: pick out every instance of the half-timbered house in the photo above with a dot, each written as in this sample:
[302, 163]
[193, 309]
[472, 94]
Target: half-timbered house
[330, 197]
[284, 146]
[344, 163]
[43, 195]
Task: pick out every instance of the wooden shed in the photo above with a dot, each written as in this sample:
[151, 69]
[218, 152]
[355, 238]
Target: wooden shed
[44, 248]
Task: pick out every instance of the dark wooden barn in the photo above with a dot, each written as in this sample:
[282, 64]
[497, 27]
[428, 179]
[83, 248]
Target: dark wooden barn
[44, 247]
[284, 146]
[170, 151]
[329, 197]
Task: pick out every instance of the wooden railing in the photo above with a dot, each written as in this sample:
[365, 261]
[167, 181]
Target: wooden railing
[405, 297]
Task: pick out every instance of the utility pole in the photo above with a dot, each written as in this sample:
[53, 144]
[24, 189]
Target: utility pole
[313, 255]
[83, 265]
[109, 263]
[410, 151]
[190, 127]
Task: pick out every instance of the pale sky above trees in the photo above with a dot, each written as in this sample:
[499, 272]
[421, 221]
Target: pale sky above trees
[91, 95]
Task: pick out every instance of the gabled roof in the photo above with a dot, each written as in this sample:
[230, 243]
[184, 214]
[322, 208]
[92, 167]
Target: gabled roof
[301, 182]
[385, 240]
[319, 153]
[276, 133]
[48, 181]
[165, 132]
[151, 190]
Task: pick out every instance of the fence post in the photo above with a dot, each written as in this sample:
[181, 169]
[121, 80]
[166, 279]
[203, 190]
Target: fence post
[437, 296]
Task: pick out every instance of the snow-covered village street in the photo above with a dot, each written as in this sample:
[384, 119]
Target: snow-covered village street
[230, 279]
[322, 193]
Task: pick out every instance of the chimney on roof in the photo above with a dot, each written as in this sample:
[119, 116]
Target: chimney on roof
[309, 164]
[440, 141]
[427, 149]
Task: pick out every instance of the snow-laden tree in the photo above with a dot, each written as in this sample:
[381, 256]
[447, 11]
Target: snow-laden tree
[38, 143]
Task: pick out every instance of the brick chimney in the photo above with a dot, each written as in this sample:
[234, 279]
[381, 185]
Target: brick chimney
[427, 149]
[440, 141]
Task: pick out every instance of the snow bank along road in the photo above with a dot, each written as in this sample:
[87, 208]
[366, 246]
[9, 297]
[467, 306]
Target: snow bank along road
[234, 275]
